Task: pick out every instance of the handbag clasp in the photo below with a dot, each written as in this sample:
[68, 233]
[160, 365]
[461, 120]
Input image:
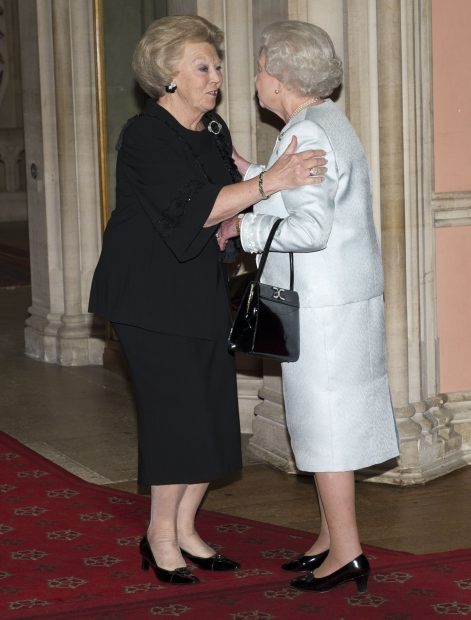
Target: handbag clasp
[278, 293]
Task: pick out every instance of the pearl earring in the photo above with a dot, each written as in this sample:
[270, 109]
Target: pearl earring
[276, 91]
[171, 88]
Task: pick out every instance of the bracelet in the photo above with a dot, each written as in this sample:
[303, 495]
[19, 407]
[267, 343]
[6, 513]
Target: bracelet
[238, 223]
[260, 186]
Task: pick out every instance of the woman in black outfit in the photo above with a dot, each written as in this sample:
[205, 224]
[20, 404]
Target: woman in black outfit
[161, 282]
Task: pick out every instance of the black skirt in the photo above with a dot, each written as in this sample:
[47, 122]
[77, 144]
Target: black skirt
[186, 398]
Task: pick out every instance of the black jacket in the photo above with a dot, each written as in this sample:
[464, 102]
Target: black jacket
[159, 267]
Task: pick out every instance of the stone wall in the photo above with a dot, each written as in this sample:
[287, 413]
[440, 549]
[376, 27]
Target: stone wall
[12, 155]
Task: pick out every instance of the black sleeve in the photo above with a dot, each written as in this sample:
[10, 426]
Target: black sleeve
[169, 187]
[234, 247]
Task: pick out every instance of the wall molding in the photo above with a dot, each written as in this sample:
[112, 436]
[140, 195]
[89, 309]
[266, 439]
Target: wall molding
[451, 209]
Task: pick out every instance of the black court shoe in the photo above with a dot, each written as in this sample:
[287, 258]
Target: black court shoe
[305, 562]
[179, 576]
[214, 562]
[357, 570]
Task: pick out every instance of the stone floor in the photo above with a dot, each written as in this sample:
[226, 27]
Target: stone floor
[82, 418]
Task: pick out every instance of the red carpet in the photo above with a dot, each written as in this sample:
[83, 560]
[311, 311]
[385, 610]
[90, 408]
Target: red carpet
[14, 266]
[68, 549]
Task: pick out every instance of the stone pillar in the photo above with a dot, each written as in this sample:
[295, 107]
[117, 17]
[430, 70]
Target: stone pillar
[58, 65]
[392, 194]
[393, 232]
[361, 92]
[388, 103]
[329, 15]
[237, 106]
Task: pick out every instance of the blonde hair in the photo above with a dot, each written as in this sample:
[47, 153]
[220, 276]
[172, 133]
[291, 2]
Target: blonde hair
[302, 56]
[161, 47]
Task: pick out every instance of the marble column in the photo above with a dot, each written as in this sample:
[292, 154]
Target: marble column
[329, 15]
[392, 194]
[361, 92]
[388, 105]
[58, 65]
[393, 238]
[237, 105]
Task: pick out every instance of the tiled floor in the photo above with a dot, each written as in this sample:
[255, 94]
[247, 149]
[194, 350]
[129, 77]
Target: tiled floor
[80, 417]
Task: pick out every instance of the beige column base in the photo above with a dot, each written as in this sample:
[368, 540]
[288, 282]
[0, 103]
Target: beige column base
[435, 438]
[47, 340]
[270, 440]
[431, 445]
[248, 386]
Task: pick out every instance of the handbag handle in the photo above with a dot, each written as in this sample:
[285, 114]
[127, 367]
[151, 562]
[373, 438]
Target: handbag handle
[264, 257]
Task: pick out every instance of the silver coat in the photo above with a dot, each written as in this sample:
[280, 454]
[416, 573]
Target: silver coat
[337, 399]
[330, 226]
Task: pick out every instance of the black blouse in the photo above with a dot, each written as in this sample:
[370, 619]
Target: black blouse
[159, 268]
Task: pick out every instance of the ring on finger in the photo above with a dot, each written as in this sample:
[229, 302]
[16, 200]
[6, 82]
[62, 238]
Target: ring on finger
[314, 171]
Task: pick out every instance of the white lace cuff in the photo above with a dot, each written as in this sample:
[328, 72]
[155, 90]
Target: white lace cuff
[247, 233]
[254, 231]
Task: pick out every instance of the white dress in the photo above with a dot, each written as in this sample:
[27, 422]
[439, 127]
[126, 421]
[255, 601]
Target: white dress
[337, 400]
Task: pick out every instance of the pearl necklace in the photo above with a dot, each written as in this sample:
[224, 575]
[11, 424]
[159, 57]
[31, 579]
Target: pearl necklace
[305, 104]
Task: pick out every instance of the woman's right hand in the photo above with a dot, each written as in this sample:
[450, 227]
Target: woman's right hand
[295, 169]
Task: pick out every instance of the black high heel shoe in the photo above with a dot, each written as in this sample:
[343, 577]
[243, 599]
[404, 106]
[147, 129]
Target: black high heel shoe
[305, 562]
[179, 576]
[214, 562]
[357, 570]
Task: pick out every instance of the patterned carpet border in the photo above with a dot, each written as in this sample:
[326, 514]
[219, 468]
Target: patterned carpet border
[68, 549]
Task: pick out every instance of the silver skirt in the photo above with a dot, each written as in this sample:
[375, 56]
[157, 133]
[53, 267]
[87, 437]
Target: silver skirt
[337, 400]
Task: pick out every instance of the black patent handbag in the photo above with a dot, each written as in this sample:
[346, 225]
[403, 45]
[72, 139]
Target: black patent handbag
[267, 320]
